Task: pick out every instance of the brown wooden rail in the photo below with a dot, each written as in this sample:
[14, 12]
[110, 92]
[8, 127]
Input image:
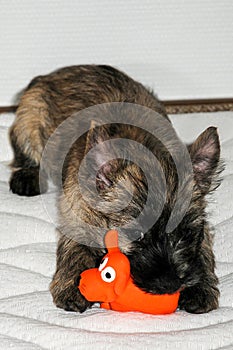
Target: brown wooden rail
[179, 106]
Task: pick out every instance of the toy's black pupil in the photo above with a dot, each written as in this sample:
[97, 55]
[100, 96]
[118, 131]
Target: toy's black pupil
[102, 261]
[108, 275]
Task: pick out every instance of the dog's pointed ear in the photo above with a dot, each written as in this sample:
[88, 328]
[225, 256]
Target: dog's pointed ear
[205, 154]
[100, 151]
[96, 136]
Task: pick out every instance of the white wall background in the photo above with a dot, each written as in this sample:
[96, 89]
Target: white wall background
[181, 48]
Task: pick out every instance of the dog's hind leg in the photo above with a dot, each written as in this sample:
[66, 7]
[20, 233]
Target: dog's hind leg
[27, 136]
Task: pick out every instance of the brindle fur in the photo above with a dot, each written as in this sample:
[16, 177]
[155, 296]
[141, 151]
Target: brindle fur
[160, 262]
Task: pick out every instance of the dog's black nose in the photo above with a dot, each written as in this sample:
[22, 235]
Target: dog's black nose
[77, 281]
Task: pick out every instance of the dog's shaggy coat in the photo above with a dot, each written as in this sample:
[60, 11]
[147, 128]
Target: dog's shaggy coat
[161, 262]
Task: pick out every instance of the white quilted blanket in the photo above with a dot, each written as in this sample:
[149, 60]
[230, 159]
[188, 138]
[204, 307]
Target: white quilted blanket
[28, 318]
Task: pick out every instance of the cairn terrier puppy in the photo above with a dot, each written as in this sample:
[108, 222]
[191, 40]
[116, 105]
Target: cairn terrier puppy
[161, 261]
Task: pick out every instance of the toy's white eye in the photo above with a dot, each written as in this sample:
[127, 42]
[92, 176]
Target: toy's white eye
[103, 264]
[108, 274]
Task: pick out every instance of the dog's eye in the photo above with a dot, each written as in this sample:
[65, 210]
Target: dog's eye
[108, 274]
[103, 264]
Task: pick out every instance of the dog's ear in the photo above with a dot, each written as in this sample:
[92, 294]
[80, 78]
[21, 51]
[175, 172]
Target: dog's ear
[100, 152]
[205, 153]
[97, 134]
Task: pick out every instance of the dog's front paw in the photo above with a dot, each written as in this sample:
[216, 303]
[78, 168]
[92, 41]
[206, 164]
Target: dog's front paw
[68, 298]
[198, 300]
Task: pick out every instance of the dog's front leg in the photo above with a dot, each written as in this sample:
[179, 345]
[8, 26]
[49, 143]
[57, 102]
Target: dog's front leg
[72, 259]
[203, 294]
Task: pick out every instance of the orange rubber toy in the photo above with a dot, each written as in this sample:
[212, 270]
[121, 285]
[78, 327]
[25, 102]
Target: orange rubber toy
[112, 285]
